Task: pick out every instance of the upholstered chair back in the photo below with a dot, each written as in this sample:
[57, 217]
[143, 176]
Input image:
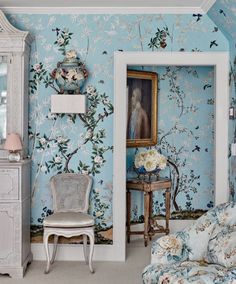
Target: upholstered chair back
[200, 232]
[70, 192]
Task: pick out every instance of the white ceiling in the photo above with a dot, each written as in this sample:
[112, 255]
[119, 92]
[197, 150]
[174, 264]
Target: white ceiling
[107, 6]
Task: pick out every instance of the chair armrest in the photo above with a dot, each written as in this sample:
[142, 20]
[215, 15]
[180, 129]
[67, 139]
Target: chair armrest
[170, 249]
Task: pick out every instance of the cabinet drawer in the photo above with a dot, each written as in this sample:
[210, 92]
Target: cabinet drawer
[10, 234]
[9, 184]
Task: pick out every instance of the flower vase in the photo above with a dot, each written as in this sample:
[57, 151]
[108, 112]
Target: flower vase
[143, 174]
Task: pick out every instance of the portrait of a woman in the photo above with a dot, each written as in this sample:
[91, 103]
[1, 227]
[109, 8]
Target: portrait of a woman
[142, 108]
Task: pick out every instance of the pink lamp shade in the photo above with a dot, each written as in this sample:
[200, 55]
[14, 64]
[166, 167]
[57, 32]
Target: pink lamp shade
[13, 142]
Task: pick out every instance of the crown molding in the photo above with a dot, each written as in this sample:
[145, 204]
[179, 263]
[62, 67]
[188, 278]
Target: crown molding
[206, 5]
[102, 10]
[106, 6]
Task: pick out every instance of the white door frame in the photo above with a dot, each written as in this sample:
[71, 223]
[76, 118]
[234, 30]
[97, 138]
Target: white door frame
[220, 61]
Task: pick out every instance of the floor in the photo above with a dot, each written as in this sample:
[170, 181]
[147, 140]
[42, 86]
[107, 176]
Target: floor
[74, 272]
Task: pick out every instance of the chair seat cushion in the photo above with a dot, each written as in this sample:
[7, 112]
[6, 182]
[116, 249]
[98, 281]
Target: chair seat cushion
[68, 220]
[188, 272]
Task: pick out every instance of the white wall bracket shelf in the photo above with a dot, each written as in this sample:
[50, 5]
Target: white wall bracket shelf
[68, 103]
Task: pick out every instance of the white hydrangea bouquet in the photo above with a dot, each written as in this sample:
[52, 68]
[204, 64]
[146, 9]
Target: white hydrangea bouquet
[149, 162]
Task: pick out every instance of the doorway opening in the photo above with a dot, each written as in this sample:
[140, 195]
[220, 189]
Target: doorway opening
[219, 61]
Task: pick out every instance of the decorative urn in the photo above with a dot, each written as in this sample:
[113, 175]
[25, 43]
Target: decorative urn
[70, 74]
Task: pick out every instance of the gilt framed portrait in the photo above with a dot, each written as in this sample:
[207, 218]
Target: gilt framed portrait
[142, 108]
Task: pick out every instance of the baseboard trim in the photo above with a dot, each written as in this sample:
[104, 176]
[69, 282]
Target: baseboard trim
[101, 252]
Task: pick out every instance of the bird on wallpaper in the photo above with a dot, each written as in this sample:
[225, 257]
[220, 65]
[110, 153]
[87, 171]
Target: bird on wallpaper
[56, 30]
[213, 43]
[198, 17]
[101, 81]
[104, 52]
[197, 148]
[222, 12]
[207, 86]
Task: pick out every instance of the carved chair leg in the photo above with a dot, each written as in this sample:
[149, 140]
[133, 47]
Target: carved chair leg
[91, 240]
[85, 248]
[54, 248]
[45, 241]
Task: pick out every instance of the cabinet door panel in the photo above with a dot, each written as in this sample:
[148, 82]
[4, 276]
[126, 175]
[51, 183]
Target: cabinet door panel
[9, 184]
[10, 234]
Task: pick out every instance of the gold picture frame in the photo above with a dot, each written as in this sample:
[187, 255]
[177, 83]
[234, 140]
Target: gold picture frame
[141, 108]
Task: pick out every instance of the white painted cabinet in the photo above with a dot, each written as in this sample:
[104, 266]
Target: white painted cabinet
[15, 250]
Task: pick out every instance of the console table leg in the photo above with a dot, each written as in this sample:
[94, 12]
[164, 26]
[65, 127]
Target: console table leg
[146, 216]
[167, 210]
[128, 208]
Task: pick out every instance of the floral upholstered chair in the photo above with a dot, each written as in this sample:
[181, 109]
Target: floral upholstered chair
[204, 253]
[70, 192]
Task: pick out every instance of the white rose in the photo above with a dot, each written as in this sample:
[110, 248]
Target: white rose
[149, 165]
[71, 54]
[153, 154]
[138, 162]
[57, 160]
[84, 172]
[60, 40]
[98, 160]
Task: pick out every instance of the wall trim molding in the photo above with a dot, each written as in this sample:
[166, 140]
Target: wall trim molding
[220, 61]
[206, 5]
[106, 7]
[101, 252]
[102, 10]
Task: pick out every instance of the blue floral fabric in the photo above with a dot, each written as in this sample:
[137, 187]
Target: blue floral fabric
[205, 252]
[222, 246]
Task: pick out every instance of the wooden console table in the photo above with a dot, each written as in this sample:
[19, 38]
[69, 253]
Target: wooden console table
[148, 187]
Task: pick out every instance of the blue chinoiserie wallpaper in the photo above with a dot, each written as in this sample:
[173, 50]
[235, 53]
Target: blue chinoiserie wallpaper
[185, 136]
[224, 15]
[84, 144]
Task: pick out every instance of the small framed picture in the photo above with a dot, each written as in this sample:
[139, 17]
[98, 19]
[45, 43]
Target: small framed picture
[142, 108]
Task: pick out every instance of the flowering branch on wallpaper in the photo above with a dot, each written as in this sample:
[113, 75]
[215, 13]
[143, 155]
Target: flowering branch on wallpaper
[62, 149]
[159, 40]
[70, 73]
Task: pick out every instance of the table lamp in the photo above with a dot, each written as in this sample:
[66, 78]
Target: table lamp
[13, 144]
